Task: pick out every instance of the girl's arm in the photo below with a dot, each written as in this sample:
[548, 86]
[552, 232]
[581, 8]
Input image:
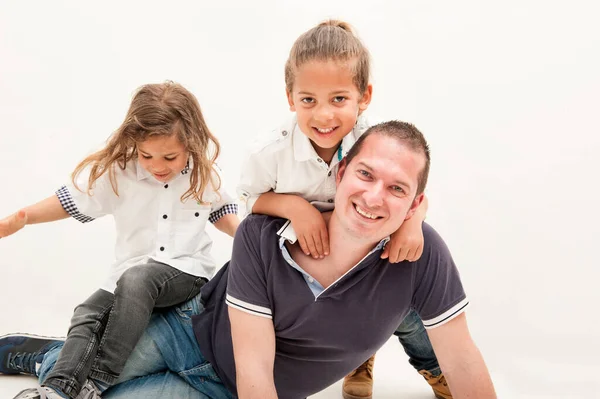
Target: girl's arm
[228, 224]
[47, 210]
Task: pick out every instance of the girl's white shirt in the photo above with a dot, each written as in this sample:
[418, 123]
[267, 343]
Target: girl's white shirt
[152, 223]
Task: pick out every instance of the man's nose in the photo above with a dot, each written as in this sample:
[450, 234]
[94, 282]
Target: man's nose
[374, 195]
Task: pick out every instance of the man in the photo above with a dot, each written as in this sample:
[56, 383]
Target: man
[294, 324]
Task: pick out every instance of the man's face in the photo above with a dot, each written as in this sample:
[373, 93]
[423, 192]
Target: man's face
[376, 191]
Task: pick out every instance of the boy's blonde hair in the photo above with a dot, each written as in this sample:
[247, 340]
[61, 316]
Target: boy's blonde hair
[331, 40]
[158, 110]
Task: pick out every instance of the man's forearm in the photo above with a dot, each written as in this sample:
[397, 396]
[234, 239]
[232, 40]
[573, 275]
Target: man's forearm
[253, 386]
[468, 376]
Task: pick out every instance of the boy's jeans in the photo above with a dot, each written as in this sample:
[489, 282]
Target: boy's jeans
[167, 361]
[105, 328]
[412, 335]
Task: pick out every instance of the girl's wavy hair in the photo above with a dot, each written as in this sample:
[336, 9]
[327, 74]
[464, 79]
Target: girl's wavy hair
[160, 109]
[331, 40]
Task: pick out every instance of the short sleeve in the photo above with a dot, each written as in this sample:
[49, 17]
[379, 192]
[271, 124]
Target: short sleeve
[222, 202]
[439, 295]
[86, 207]
[247, 279]
[258, 176]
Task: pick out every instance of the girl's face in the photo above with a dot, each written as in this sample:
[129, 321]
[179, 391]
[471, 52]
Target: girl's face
[327, 103]
[163, 156]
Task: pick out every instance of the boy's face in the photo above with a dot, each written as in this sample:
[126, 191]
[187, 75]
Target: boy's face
[327, 103]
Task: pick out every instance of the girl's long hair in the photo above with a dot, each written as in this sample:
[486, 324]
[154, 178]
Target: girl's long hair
[158, 110]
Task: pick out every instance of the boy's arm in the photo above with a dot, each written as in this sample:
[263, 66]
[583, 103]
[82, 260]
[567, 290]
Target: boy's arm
[463, 365]
[407, 242]
[307, 221]
[47, 210]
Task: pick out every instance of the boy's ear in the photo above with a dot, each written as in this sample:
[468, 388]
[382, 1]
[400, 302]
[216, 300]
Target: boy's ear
[364, 102]
[290, 101]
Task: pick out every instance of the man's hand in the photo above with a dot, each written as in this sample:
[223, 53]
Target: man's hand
[406, 243]
[13, 223]
[311, 230]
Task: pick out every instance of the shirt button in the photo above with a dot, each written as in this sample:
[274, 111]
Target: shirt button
[329, 174]
[319, 160]
[284, 133]
[162, 248]
[330, 201]
[197, 214]
[311, 280]
[166, 186]
[164, 216]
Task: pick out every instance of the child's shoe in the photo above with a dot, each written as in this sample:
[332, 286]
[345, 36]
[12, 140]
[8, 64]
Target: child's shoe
[19, 353]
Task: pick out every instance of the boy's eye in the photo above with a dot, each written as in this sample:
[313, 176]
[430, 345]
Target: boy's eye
[308, 100]
[339, 99]
[364, 173]
[170, 159]
[146, 156]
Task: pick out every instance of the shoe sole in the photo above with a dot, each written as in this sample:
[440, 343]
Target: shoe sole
[348, 396]
[33, 336]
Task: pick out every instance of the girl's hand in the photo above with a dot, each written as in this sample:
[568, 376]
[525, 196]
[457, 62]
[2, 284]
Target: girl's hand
[405, 244]
[311, 231]
[13, 223]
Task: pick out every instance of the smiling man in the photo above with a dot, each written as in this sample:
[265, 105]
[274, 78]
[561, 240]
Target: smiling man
[275, 322]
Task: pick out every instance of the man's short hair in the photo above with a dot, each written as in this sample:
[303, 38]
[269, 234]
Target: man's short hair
[405, 133]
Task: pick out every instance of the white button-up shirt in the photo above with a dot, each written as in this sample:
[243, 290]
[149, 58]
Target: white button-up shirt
[151, 221]
[286, 162]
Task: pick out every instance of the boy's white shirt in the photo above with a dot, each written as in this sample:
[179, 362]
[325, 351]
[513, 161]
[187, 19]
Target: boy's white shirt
[141, 228]
[286, 162]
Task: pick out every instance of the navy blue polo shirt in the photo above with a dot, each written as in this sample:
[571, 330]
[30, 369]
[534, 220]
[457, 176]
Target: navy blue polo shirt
[321, 335]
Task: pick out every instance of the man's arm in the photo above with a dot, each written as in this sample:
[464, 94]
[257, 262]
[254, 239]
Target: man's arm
[253, 340]
[461, 361]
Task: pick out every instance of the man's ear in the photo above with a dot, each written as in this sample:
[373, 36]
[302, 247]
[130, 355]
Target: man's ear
[413, 208]
[290, 101]
[364, 102]
[341, 170]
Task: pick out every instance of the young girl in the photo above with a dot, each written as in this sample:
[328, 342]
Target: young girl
[292, 174]
[157, 177]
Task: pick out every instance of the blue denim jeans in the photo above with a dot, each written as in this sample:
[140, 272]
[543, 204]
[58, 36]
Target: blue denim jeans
[166, 362]
[412, 335]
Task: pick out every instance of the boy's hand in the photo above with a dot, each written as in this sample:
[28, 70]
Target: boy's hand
[405, 244]
[311, 231]
[13, 223]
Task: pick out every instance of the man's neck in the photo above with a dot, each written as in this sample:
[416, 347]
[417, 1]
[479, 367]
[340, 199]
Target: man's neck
[345, 252]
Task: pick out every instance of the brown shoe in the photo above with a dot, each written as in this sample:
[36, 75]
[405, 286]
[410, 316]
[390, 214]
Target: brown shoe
[438, 384]
[359, 383]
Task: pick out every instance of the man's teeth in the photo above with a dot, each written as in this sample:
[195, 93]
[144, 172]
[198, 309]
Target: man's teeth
[365, 213]
[325, 131]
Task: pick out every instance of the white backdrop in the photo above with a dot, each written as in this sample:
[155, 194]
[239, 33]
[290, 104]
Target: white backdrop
[505, 92]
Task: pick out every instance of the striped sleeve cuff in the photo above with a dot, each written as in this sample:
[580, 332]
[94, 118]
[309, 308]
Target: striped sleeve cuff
[248, 307]
[67, 202]
[219, 213]
[447, 315]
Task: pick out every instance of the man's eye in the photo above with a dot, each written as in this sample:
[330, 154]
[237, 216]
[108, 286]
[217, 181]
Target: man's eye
[398, 189]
